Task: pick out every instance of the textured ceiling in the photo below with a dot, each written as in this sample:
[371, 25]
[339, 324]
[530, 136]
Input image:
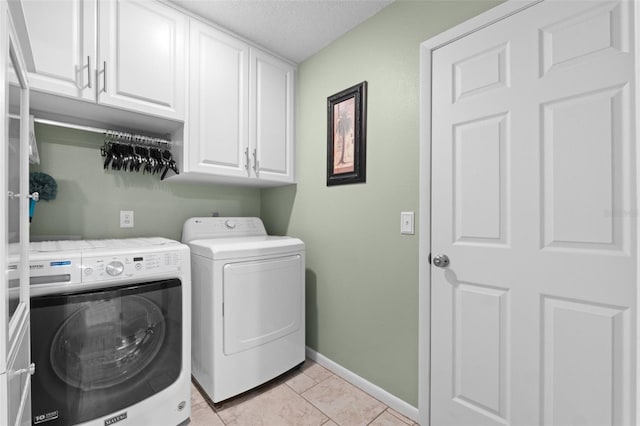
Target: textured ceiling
[294, 29]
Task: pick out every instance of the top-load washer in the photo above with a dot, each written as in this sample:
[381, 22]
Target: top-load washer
[248, 321]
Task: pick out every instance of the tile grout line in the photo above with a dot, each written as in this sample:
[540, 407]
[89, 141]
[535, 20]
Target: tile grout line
[392, 411]
[318, 408]
[356, 387]
[374, 419]
[316, 383]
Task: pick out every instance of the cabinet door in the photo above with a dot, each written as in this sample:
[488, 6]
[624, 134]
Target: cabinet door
[14, 233]
[19, 383]
[142, 57]
[62, 35]
[218, 103]
[271, 117]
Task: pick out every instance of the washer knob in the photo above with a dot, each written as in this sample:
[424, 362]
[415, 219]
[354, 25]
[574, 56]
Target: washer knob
[115, 268]
[230, 224]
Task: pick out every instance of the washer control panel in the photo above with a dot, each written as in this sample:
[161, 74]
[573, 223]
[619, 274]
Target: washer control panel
[55, 269]
[120, 266]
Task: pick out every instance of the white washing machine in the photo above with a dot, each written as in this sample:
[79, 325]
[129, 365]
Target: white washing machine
[110, 332]
[248, 304]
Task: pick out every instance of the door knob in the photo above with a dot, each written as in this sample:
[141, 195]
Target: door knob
[441, 261]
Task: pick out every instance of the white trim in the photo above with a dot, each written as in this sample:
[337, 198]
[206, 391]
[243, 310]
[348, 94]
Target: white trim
[636, 206]
[472, 25]
[424, 241]
[377, 392]
[476, 23]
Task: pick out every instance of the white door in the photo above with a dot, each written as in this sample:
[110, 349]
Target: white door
[142, 57]
[15, 403]
[534, 202]
[271, 117]
[218, 111]
[62, 35]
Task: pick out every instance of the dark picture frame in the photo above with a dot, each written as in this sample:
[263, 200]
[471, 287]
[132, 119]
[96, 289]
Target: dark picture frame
[347, 136]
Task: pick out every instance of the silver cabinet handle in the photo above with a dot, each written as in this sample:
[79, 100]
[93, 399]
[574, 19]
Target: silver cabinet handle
[31, 370]
[89, 72]
[255, 161]
[104, 77]
[441, 261]
[246, 159]
[12, 196]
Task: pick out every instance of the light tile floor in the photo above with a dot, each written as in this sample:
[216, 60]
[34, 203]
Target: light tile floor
[307, 396]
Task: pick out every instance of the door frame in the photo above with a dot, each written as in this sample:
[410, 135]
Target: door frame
[502, 11]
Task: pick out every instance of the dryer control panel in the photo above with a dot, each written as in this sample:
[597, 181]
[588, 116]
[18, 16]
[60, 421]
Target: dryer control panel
[202, 228]
[124, 266]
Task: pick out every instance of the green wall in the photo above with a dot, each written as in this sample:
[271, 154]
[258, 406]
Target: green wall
[90, 199]
[362, 274]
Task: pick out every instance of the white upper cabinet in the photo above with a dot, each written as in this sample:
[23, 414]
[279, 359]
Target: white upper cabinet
[141, 57]
[218, 103]
[136, 60]
[133, 56]
[62, 35]
[240, 112]
[271, 117]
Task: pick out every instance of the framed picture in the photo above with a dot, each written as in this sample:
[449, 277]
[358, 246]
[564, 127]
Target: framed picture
[347, 135]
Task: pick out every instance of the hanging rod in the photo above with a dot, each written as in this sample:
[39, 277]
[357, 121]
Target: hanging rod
[123, 136]
[70, 126]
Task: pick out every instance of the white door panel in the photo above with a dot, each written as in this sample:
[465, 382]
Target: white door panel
[533, 201]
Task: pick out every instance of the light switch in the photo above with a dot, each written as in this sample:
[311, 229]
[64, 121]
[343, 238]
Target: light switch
[406, 223]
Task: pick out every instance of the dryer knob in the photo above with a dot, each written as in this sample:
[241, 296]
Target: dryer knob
[115, 268]
[230, 224]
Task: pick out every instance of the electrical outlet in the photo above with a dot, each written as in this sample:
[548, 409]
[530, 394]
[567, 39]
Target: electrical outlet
[126, 218]
[406, 223]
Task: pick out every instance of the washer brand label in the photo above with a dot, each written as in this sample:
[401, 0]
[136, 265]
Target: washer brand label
[45, 417]
[115, 419]
[36, 266]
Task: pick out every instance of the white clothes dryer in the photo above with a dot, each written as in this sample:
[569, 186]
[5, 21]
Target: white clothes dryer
[248, 316]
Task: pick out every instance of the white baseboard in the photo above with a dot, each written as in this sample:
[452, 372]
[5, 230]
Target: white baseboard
[377, 392]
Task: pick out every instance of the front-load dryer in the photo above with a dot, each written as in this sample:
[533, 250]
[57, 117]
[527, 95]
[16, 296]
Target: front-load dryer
[248, 320]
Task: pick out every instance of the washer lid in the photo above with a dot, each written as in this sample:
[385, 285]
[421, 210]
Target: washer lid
[232, 248]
